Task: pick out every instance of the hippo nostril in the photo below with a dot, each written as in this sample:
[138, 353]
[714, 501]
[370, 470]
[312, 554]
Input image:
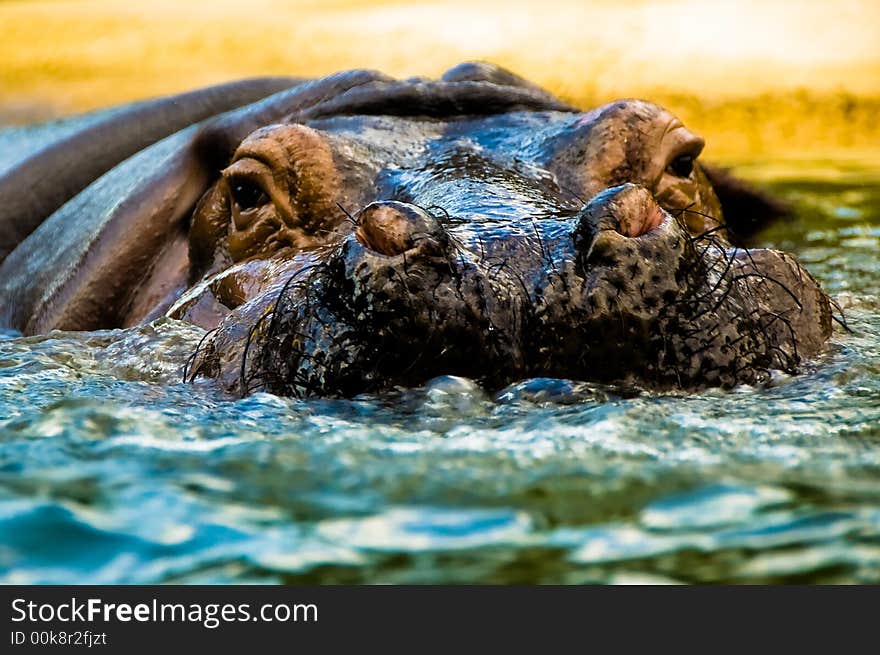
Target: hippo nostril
[628, 210]
[391, 227]
[641, 221]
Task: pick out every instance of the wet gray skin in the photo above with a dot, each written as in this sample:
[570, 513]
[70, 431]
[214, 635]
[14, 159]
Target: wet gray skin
[354, 253]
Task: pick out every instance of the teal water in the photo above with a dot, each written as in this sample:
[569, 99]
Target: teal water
[112, 471]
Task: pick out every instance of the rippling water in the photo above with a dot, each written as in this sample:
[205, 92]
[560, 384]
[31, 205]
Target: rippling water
[111, 471]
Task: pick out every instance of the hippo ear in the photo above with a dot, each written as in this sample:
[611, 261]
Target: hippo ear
[42, 167]
[746, 210]
[82, 267]
[480, 71]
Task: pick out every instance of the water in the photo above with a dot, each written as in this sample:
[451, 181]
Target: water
[111, 471]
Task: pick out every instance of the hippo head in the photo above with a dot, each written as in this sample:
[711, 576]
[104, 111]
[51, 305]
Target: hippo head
[366, 249]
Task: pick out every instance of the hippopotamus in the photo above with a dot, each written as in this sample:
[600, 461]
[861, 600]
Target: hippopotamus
[355, 233]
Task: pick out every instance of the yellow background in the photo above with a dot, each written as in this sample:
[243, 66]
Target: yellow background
[793, 79]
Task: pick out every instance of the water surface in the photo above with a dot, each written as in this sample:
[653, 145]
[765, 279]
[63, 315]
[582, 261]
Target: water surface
[112, 471]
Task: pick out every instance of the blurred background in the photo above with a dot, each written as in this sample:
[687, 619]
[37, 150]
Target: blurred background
[795, 78]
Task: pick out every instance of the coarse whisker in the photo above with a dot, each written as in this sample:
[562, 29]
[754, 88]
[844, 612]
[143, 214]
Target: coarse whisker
[428, 211]
[351, 219]
[770, 278]
[712, 231]
[243, 383]
[284, 290]
[572, 194]
[192, 358]
[841, 319]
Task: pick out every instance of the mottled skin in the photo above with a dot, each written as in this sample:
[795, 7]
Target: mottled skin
[473, 226]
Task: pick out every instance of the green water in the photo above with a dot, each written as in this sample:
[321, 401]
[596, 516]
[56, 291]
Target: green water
[111, 471]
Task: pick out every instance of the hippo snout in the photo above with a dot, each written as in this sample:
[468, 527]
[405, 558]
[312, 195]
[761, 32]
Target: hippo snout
[619, 291]
[358, 233]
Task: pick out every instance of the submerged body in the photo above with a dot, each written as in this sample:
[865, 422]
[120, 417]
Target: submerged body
[359, 233]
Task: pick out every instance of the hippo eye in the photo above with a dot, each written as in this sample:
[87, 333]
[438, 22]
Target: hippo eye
[247, 194]
[681, 166]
